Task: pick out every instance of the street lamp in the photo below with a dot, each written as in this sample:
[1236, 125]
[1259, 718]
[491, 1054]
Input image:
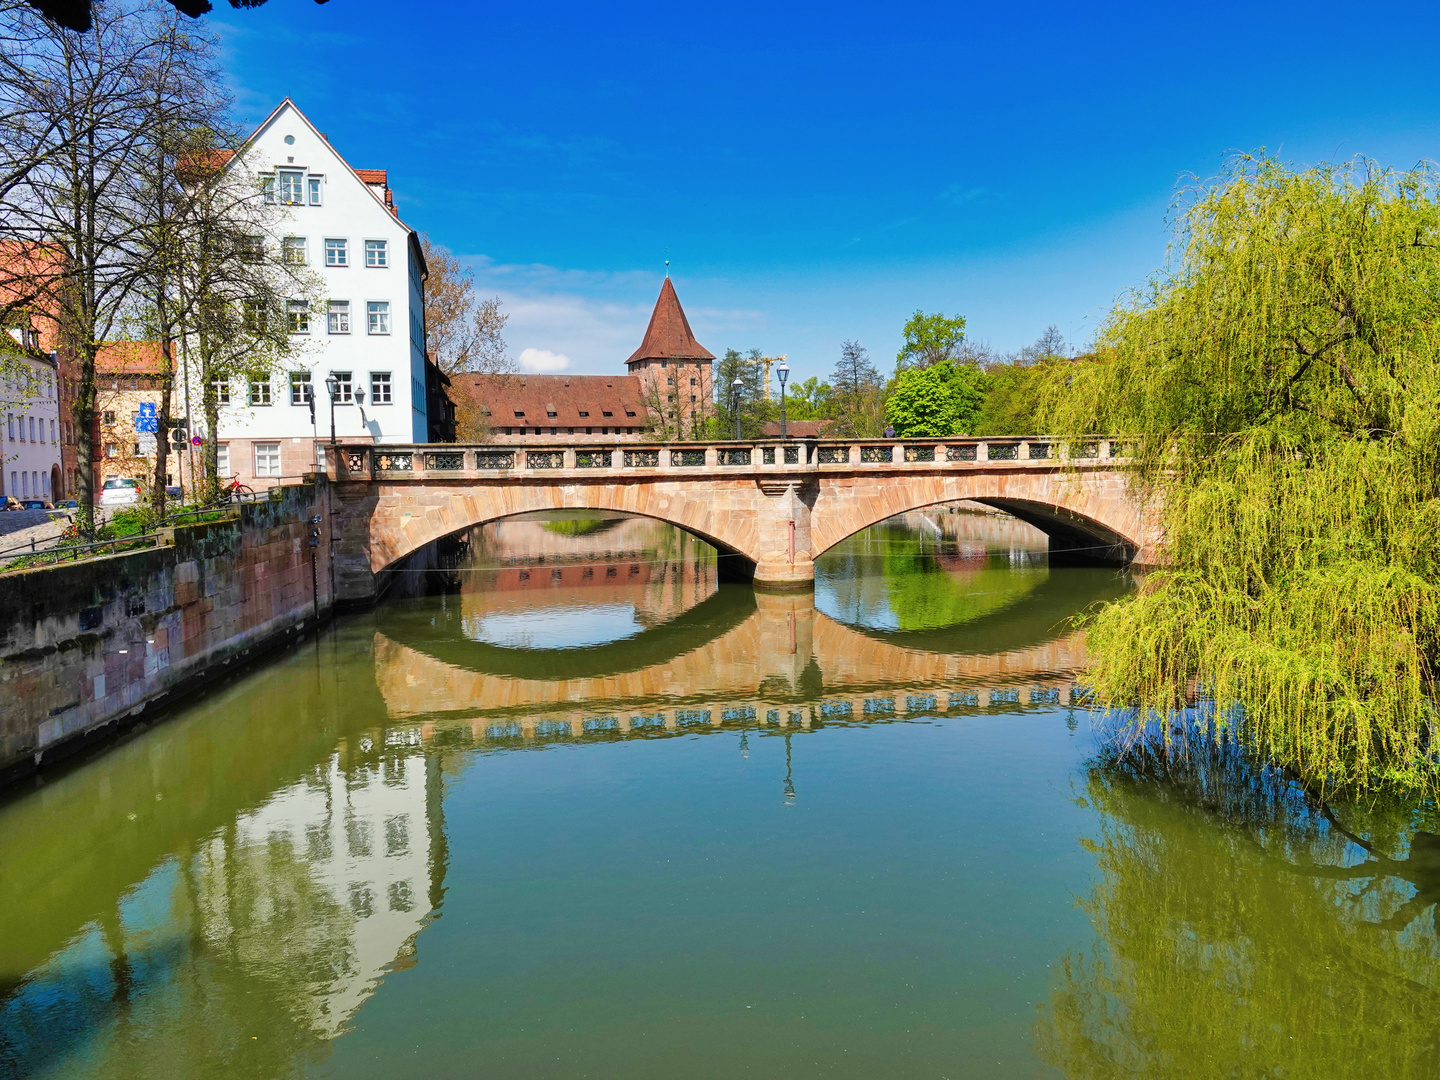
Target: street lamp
[784, 373]
[333, 385]
[314, 435]
[735, 389]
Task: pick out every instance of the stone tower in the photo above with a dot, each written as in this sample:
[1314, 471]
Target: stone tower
[676, 372]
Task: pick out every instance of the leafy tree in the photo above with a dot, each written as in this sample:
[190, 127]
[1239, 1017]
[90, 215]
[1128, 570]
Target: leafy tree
[464, 334]
[1048, 346]
[808, 400]
[942, 399]
[747, 402]
[930, 339]
[1280, 382]
[857, 401]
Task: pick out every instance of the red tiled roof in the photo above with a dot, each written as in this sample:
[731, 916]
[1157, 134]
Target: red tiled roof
[567, 396]
[669, 336]
[128, 358]
[373, 176]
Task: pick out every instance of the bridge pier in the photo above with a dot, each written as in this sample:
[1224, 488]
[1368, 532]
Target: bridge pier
[787, 560]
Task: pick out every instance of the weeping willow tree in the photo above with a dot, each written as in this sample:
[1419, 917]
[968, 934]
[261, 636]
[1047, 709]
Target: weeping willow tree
[1280, 382]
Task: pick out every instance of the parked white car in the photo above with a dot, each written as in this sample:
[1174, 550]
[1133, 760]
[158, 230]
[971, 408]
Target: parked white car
[120, 491]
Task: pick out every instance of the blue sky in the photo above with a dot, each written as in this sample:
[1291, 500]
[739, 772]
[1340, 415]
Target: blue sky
[817, 172]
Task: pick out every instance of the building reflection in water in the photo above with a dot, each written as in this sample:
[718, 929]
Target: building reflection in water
[257, 944]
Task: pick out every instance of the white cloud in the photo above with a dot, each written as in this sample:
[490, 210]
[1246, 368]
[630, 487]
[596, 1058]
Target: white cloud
[597, 318]
[540, 361]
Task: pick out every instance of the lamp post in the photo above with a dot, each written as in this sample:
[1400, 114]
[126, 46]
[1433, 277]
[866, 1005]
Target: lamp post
[735, 388]
[784, 372]
[332, 384]
[314, 434]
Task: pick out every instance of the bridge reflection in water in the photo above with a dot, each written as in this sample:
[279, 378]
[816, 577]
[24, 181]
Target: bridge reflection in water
[699, 656]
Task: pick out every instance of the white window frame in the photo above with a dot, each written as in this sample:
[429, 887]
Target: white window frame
[222, 391]
[341, 247]
[314, 189]
[298, 381]
[222, 460]
[337, 317]
[380, 248]
[377, 317]
[269, 189]
[296, 175]
[297, 316]
[379, 379]
[260, 395]
[345, 391]
[270, 462]
[290, 246]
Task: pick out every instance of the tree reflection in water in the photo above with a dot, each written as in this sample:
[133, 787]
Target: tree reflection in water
[1246, 929]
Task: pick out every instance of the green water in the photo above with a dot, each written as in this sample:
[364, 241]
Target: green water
[584, 811]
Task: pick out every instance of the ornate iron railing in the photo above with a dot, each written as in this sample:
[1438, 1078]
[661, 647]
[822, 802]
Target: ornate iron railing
[394, 461]
[445, 461]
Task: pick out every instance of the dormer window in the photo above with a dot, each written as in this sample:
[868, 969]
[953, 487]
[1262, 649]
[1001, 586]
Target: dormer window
[605, 412]
[627, 413]
[551, 415]
[520, 413]
[584, 413]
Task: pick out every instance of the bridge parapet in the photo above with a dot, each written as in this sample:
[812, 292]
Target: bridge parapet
[589, 458]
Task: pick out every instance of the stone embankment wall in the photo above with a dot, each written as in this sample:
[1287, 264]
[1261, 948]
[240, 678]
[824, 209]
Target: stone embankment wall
[88, 647]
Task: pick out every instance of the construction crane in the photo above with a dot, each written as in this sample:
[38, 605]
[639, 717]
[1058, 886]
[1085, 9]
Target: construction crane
[767, 361]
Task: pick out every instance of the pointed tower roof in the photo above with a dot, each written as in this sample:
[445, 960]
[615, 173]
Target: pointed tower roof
[669, 337]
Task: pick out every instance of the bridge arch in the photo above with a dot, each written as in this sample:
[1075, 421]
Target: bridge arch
[1090, 516]
[403, 518]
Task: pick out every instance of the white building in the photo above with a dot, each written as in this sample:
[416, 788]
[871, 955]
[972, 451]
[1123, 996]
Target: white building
[29, 398]
[369, 332]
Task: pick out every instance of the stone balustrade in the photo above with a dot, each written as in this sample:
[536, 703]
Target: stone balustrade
[727, 458]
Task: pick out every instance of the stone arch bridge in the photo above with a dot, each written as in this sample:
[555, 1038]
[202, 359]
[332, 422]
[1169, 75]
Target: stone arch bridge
[771, 508]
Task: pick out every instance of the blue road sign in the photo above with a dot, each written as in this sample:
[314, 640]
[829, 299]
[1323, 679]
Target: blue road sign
[147, 423]
[147, 410]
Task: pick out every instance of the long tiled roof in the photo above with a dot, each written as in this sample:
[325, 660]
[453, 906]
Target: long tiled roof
[129, 358]
[529, 400]
[669, 336]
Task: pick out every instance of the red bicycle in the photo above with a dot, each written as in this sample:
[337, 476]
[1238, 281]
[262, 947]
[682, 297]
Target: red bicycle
[235, 491]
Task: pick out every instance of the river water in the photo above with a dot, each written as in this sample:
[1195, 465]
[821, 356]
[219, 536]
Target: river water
[572, 807]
